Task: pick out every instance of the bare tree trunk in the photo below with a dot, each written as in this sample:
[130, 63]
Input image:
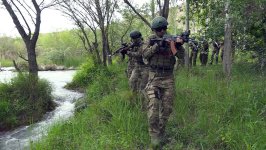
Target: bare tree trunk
[152, 9]
[33, 66]
[165, 10]
[109, 59]
[187, 28]
[104, 47]
[29, 39]
[227, 58]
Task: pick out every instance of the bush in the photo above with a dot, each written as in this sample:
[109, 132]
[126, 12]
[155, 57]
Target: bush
[88, 73]
[16, 106]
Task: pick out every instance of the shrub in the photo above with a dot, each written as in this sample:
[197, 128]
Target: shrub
[16, 106]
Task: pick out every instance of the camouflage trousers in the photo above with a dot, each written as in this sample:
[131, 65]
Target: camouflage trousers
[203, 58]
[139, 78]
[130, 67]
[193, 58]
[160, 94]
[215, 54]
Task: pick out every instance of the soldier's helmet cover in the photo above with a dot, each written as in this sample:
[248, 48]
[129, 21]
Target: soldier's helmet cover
[135, 34]
[159, 22]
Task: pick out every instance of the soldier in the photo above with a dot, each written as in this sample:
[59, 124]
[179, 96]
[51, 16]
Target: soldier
[215, 51]
[160, 87]
[139, 76]
[204, 50]
[180, 56]
[194, 52]
[222, 50]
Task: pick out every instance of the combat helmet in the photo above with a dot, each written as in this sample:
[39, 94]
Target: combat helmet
[135, 34]
[159, 22]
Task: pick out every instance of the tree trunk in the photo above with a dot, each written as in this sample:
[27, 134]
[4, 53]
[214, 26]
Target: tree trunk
[33, 66]
[104, 46]
[109, 59]
[227, 58]
[152, 9]
[187, 28]
[165, 10]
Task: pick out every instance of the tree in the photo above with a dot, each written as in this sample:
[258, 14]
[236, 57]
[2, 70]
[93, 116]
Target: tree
[26, 16]
[77, 11]
[245, 21]
[227, 59]
[163, 9]
[93, 14]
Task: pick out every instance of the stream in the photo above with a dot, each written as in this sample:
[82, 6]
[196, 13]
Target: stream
[20, 138]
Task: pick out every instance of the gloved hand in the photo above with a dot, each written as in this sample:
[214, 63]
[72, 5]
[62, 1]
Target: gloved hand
[123, 51]
[155, 47]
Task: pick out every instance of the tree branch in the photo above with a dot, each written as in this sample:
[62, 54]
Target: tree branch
[141, 17]
[19, 27]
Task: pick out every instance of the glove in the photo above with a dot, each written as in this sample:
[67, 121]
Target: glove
[123, 52]
[155, 47]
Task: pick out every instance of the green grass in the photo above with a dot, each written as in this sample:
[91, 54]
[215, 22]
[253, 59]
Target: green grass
[209, 113]
[16, 106]
[5, 63]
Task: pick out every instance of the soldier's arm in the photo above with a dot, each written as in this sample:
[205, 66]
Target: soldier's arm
[138, 53]
[149, 50]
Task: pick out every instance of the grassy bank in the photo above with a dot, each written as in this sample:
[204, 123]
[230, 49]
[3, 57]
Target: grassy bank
[209, 113]
[5, 63]
[16, 108]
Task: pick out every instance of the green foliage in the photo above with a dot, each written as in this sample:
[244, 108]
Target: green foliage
[17, 108]
[9, 47]
[87, 74]
[209, 113]
[5, 63]
[61, 48]
[213, 113]
[114, 119]
[248, 22]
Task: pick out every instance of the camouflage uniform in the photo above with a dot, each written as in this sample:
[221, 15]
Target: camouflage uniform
[215, 52]
[222, 50]
[204, 50]
[160, 87]
[194, 53]
[181, 56]
[130, 67]
[139, 75]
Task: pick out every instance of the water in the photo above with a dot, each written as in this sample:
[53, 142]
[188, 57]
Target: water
[20, 138]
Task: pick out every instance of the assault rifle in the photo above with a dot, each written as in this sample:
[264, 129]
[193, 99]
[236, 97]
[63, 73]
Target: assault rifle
[123, 49]
[171, 40]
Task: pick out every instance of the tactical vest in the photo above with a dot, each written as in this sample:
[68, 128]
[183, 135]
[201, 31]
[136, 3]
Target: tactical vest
[163, 60]
[137, 60]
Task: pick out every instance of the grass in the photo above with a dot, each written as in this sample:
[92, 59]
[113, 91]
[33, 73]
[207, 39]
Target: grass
[5, 63]
[210, 112]
[16, 108]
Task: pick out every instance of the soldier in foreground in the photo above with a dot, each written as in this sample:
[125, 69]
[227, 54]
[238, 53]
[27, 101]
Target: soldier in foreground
[160, 87]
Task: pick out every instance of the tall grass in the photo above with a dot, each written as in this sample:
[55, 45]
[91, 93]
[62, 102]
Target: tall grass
[210, 112]
[5, 63]
[16, 108]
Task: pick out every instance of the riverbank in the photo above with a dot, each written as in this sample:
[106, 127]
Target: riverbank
[16, 106]
[65, 100]
[209, 113]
